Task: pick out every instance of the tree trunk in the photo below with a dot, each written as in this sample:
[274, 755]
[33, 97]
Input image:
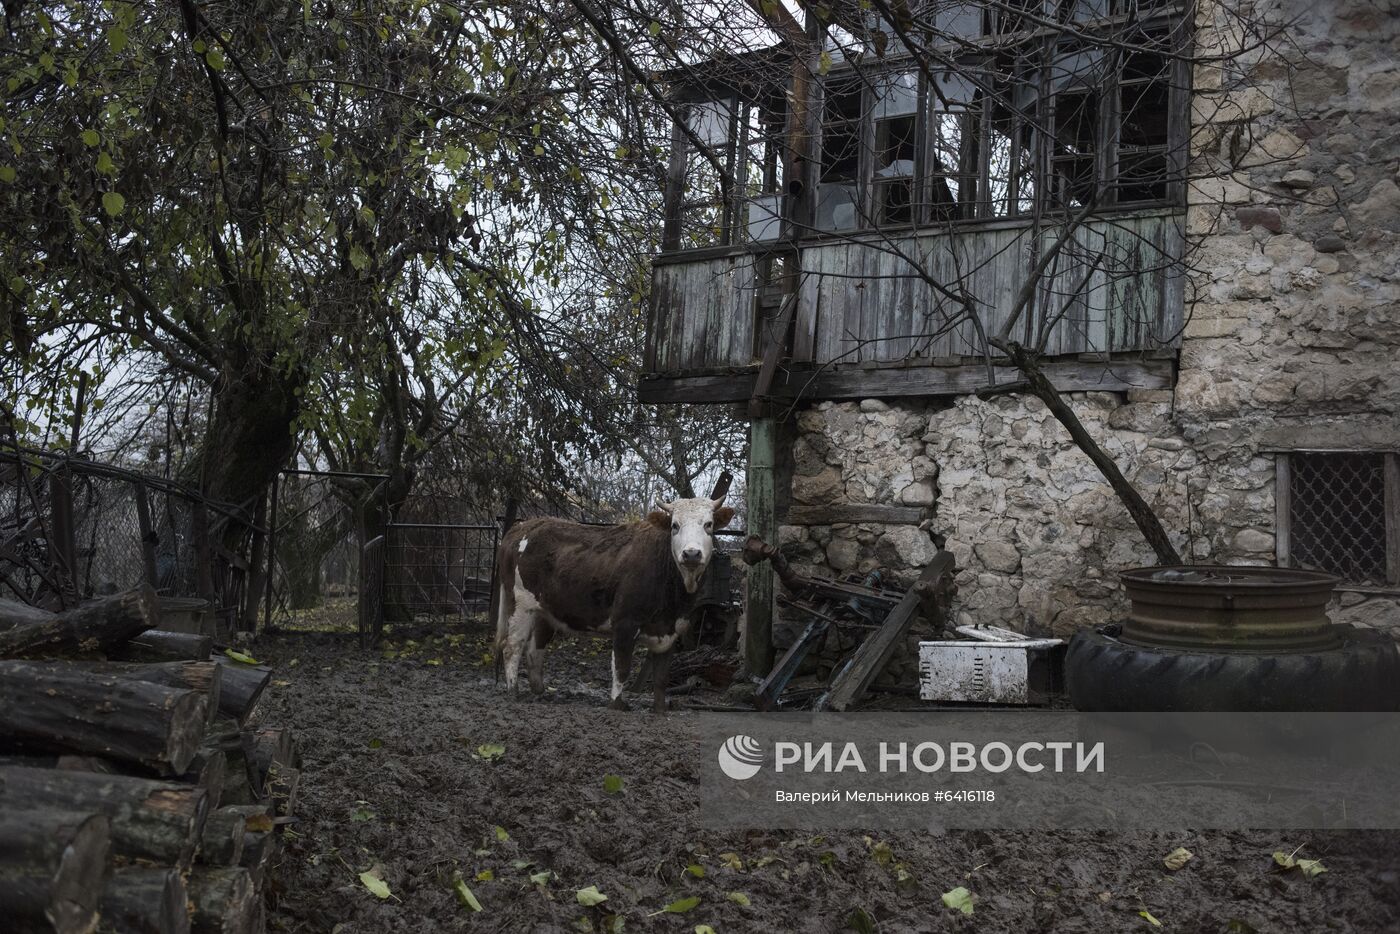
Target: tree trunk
[141, 900]
[150, 820]
[44, 707]
[1040, 386]
[52, 867]
[242, 686]
[158, 645]
[224, 901]
[87, 627]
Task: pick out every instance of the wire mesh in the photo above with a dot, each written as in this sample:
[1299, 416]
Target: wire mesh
[1337, 514]
[438, 570]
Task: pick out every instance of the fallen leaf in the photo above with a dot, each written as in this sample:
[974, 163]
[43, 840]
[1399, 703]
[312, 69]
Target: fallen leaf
[1150, 920]
[464, 894]
[540, 878]
[1309, 867]
[680, 906]
[590, 896]
[1177, 858]
[362, 814]
[376, 744]
[882, 853]
[696, 870]
[959, 899]
[485, 875]
[704, 929]
[861, 922]
[501, 834]
[374, 883]
[739, 898]
[280, 684]
[613, 924]
[731, 861]
[489, 751]
[612, 784]
[240, 657]
[293, 663]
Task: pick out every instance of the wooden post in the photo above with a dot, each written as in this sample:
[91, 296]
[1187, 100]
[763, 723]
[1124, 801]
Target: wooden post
[762, 520]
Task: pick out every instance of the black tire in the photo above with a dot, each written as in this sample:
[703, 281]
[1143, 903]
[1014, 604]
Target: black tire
[1362, 674]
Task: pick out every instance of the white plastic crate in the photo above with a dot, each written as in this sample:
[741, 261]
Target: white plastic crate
[993, 666]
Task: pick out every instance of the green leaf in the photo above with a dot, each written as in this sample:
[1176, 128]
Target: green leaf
[1150, 920]
[654, 28]
[7, 174]
[105, 165]
[731, 861]
[541, 878]
[376, 743]
[359, 259]
[486, 875]
[959, 899]
[696, 870]
[362, 814]
[113, 204]
[704, 929]
[90, 138]
[590, 896]
[215, 59]
[231, 653]
[1309, 867]
[374, 883]
[681, 905]
[739, 898]
[464, 894]
[612, 784]
[501, 834]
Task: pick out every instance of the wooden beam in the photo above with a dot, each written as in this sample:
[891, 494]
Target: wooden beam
[875, 652]
[831, 515]
[907, 381]
[762, 521]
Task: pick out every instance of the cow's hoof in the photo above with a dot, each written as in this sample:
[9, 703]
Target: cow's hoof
[619, 704]
[536, 689]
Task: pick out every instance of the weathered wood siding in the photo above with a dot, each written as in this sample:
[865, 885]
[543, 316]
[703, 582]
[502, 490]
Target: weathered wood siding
[862, 301]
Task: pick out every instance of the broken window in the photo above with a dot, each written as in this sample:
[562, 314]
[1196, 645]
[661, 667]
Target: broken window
[843, 114]
[704, 208]
[1339, 512]
[1144, 108]
[896, 105]
[955, 144]
[763, 128]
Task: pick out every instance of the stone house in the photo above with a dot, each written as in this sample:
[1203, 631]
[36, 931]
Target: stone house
[1226, 323]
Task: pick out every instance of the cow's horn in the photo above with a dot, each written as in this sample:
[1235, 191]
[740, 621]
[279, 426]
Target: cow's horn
[719, 502]
[666, 507]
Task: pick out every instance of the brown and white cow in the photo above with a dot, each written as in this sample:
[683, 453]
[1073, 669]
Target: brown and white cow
[630, 583]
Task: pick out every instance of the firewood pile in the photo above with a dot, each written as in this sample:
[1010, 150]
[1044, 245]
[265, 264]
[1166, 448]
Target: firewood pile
[134, 795]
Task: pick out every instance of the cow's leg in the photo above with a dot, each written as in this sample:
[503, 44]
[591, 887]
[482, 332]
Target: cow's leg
[660, 678]
[534, 657]
[624, 638]
[518, 636]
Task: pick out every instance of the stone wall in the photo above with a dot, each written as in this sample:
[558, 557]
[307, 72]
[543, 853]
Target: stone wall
[1292, 341]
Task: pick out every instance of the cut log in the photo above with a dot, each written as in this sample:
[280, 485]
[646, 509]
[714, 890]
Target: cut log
[206, 677]
[241, 785]
[281, 789]
[223, 901]
[243, 685]
[259, 850]
[209, 771]
[271, 749]
[159, 645]
[87, 627]
[52, 866]
[223, 837]
[150, 820]
[45, 707]
[142, 900]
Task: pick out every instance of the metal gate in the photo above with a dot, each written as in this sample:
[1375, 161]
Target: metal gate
[438, 571]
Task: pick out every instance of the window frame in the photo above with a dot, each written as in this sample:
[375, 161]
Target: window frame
[1283, 515]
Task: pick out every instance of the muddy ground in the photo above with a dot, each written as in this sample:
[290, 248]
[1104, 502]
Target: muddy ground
[394, 778]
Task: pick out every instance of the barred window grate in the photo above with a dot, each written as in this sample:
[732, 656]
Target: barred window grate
[1337, 514]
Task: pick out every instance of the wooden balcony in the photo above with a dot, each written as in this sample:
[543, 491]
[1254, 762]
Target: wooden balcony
[875, 317]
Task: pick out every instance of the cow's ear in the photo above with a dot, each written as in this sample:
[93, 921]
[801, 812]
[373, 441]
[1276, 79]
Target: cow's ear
[659, 519]
[723, 516]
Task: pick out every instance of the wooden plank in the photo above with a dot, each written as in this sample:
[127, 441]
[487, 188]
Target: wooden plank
[875, 652]
[914, 381]
[809, 297]
[874, 512]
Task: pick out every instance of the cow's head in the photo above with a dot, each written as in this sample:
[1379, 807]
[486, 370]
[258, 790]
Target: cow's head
[692, 524]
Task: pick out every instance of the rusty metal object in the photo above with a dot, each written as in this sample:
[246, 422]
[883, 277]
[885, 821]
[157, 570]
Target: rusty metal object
[1233, 609]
